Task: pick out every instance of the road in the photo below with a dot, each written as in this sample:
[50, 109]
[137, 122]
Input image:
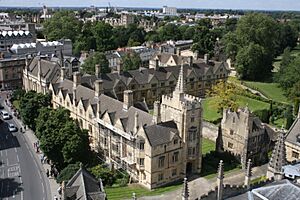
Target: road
[21, 175]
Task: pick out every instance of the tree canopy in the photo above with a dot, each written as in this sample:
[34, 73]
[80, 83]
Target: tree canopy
[131, 61]
[258, 38]
[96, 58]
[62, 25]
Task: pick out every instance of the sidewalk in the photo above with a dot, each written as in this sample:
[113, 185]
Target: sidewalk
[31, 139]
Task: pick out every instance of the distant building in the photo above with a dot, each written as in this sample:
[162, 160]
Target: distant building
[169, 11]
[9, 38]
[244, 135]
[11, 73]
[292, 141]
[126, 19]
[43, 48]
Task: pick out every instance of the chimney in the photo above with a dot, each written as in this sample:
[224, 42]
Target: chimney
[62, 73]
[98, 71]
[156, 112]
[120, 67]
[196, 55]
[191, 61]
[39, 68]
[220, 178]
[156, 64]
[76, 79]
[206, 58]
[98, 114]
[136, 122]
[98, 88]
[178, 51]
[128, 99]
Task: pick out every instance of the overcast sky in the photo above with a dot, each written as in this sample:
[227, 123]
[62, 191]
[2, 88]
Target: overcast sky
[225, 4]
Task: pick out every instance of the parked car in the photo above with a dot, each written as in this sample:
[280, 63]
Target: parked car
[5, 115]
[12, 128]
[1, 107]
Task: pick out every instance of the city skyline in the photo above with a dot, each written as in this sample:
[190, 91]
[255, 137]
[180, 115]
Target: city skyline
[200, 4]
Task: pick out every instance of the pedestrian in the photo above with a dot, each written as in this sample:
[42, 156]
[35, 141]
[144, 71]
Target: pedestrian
[51, 172]
[47, 172]
[42, 158]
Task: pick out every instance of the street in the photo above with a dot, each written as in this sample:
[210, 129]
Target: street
[21, 173]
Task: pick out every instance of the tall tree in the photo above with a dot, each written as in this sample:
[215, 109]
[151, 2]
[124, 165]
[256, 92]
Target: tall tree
[96, 58]
[62, 25]
[131, 61]
[103, 35]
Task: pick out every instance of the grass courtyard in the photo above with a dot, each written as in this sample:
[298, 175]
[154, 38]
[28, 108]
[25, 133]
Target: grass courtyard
[271, 90]
[208, 146]
[120, 193]
[210, 112]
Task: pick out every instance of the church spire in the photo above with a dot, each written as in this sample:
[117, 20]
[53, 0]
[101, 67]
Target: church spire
[278, 159]
[180, 87]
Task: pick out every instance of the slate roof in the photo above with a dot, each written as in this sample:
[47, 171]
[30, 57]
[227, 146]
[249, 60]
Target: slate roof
[84, 186]
[161, 133]
[294, 132]
[49, 70]
[274, 191]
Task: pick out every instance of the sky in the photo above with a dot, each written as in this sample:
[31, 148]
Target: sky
[214, 4]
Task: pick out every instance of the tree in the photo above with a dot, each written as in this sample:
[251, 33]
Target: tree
[131, 61]
[231, 45]
[169, 32]
[85, 40]
[62, 25]
[103, 33]
[30, 105]
[107, 176]
[68, 172]
[225, 95]
[96, 58]
[61, 139]
[289, 117]
[204, 40]
[251, 63]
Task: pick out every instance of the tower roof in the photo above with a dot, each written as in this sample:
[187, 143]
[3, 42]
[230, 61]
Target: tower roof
[278, 159]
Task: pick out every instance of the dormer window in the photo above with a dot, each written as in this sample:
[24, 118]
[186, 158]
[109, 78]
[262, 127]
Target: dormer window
[298, 138]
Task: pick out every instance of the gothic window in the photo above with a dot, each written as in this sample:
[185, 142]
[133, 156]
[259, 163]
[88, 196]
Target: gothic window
[190, 151]
[295, 154]
[161, 161]
[233, 120]
[142, 161]
[175, 157]
[230, 145]
[192, 134]
[174, 172]
[231, 132]
[160, 177]
[192, 119]
[175, 141]
[142, 146]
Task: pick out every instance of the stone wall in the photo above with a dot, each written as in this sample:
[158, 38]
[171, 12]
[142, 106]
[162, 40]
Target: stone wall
[209, 130]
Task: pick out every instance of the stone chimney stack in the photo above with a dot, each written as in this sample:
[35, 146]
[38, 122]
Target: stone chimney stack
[248, 174]
[157, 112]
[98, 71]
[185, 191]
[39, 68]
[136, 122]
[191, 61]
[156, 64]
[76, 79]
[62, 73]
[98, 88]
[220, 181]
[128, 99]
[206, 58]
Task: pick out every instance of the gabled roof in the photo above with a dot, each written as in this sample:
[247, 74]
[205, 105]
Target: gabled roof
[294, 133]
[161, 133]
[84, 186]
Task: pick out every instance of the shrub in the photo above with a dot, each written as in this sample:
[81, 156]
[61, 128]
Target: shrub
[67, 173]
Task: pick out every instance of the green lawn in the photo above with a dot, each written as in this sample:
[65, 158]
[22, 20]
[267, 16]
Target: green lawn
[208, 146]
[271, 90]
[120, 193]
[16, 104]
[210, 107]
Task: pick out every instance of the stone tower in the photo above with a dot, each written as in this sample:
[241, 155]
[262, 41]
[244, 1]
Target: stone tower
[186, 111]
[278, 159]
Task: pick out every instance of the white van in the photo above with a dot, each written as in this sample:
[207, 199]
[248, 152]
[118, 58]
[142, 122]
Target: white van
[5, 115]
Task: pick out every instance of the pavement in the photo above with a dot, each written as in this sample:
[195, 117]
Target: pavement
[22, 173]
[201, 186]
